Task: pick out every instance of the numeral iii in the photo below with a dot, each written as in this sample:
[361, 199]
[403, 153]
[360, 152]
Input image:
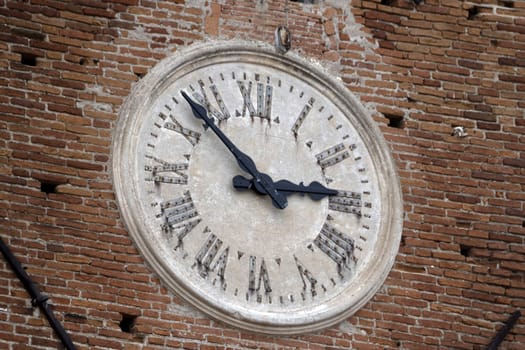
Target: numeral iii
[346, 202]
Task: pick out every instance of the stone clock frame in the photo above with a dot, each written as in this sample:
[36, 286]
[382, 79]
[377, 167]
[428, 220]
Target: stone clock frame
[126, 144]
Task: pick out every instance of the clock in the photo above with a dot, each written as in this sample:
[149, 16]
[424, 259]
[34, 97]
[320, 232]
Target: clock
[257, 187]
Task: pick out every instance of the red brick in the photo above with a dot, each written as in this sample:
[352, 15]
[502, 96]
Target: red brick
[427, 62]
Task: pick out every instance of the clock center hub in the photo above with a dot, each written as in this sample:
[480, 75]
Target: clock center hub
[245, 219]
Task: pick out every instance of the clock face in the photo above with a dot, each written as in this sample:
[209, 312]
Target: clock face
[228, 250]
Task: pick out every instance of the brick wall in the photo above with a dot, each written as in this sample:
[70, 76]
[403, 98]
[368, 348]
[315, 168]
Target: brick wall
[420, 69]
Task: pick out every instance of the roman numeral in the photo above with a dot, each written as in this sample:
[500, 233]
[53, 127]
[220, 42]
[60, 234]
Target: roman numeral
[346, 202]
[180, 216]
[264, 99]
[309, 282]
[221, 263]
[332, 155]
[302, 116]
[247, 101]
[157, 172]
[220, 102]
[190, 135]
[337, 246]
[203, 100]
[207, 254]
[254, 283]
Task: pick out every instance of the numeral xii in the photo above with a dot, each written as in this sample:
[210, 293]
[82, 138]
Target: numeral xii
[264, 95]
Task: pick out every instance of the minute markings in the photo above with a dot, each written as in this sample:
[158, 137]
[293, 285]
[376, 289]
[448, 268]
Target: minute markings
[259, 278]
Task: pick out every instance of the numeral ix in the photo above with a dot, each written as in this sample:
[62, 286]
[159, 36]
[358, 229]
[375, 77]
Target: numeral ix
[158, 172]
[179, 215]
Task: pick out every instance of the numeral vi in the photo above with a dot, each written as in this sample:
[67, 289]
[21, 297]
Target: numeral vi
[255, 283]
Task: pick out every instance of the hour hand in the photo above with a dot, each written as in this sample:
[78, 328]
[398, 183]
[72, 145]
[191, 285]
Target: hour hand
[314, 190]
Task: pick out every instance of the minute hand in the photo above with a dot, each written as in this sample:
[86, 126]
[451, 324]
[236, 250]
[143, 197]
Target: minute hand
[262, 181]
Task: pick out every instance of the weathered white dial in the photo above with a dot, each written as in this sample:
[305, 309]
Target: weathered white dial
[228, 250]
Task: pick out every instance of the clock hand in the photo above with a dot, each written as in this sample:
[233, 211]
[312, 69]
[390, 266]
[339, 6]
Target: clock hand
[262, 182]
[314, 190]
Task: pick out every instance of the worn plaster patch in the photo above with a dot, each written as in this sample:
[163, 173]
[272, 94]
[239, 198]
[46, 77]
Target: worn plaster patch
[348, 328]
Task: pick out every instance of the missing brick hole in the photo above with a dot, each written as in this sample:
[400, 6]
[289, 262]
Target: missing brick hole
[48, 187]
[508, 3]
[465, 250]
[28, 59]
[387, 2]
[473, 12]
[395, 121]
[311, 2]
[127, 323]
[76, 318]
